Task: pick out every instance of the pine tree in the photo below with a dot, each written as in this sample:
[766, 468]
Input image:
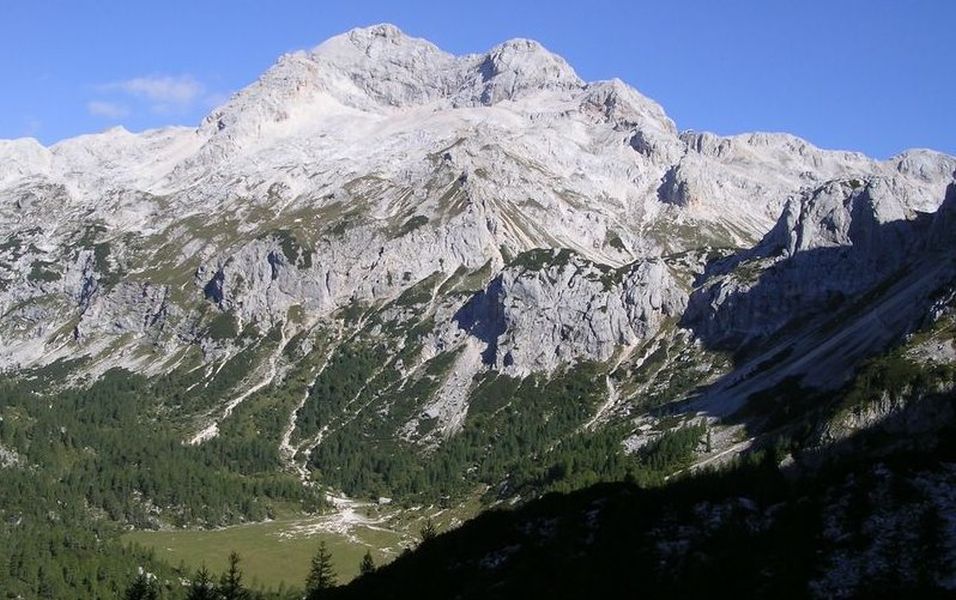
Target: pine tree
[142, 588]
[428, 531]
[321, 575]
[230, 584]
[368, 564]
[202, 587]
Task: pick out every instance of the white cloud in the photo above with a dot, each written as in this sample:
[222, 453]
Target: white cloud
[162, 90]
[108, 110]
[170, 95]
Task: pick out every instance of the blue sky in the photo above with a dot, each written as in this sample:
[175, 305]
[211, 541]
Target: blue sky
[877, 76]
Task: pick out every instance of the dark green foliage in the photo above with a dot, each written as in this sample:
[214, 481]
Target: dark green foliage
[892, 374]
[615, 242]
[346, 374]
[413, 224]
[183, 392]
[509, 428]
[368, 563]
[78, 435]
[223, 327]
[421, 292]
[539, 258]
[428, 531]
[673, 450]
[519, 436]
[352, 313]
[467, 282]
[52, 547]
[105, 455]
[750, 530]
[12, 243]
[90, 233]
[142, 588]
[356, 373]
[295, 252]
[101, 254]
[588, 458]
[107, 275]
[230, 583]
[202, 586]
[42, 271]
[321, 575]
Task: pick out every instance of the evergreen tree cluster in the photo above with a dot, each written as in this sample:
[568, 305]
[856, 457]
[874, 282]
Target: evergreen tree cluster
[230, 586]
[519, 436]
[95, 459]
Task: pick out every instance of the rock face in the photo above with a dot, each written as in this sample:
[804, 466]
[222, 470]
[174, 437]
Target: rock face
[127, 308]
[833, 244]
[553, 308]
[491, 201]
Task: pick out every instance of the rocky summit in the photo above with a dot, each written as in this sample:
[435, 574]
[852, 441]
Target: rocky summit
[408, 274]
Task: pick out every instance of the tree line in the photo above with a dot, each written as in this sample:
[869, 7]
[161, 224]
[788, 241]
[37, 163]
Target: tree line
[230, 586]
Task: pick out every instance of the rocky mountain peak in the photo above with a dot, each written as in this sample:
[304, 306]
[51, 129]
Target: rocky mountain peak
[380, 68]
[368, 69]
[519, 67]
[376, 71]
[380, 33]
[384, 64]
[22, 157]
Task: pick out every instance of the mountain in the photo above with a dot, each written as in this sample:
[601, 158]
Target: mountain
[394, 272]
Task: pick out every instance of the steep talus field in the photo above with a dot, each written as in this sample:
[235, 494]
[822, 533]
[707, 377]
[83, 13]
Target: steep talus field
[385, 271]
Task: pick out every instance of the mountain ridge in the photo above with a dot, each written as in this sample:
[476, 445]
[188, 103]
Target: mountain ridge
[492, 205]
